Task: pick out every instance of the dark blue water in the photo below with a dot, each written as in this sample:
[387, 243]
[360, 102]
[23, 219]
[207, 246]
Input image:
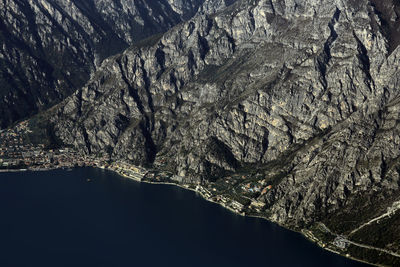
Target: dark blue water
[57, 218]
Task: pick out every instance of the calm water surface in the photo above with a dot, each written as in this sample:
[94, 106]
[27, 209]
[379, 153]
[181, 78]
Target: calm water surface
[57, 218]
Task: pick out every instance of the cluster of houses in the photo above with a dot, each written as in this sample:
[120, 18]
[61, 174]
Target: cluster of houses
[129, 171]
[233, 205]
[341, 242]
[251, 189]
[257, 188]
[16, 154]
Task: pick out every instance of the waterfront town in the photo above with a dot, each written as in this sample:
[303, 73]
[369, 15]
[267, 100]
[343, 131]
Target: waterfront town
[17, 153]
[234, 192]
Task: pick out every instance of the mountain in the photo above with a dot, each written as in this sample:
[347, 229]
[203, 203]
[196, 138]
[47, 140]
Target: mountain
[48, 49]
[300, 94]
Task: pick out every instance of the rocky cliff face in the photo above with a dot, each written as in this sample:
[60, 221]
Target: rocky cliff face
[48, 49]
[303, 92]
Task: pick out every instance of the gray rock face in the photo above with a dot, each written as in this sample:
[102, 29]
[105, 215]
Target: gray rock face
[306, 91]
[48, 49]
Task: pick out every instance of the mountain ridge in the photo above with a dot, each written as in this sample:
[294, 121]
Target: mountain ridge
[300, 93]
[49, 49]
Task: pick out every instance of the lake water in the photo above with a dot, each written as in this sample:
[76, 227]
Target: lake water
[58, 218]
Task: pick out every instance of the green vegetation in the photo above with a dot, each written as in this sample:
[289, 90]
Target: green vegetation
[321, 234]
[373, 256]
[359, 209]
[383, 234]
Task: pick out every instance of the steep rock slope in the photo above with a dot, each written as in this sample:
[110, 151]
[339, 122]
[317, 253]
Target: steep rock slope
[304, 92]
[48, 49]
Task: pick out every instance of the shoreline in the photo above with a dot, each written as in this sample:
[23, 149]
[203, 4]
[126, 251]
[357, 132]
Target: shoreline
[312, 239]
[36, 170]
[11, 170]
[243, 214]
[259, 217]
[198, 193]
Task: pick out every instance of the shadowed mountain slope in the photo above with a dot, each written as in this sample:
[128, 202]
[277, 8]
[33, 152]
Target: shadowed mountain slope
[48, 49]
